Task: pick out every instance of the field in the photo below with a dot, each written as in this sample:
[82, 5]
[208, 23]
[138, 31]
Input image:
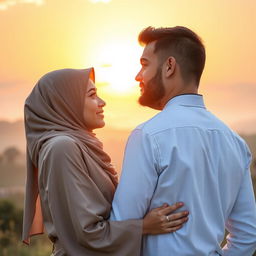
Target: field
[12, 173]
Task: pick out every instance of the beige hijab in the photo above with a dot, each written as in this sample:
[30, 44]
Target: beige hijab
[55, 107]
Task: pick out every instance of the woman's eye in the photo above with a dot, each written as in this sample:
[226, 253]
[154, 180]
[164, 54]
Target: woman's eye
[93, 95]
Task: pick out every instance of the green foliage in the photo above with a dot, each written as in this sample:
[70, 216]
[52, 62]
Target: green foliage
[10, 217]
[10, 234]
[39, 247]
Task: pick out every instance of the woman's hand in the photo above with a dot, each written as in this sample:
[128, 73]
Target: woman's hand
[161, 220]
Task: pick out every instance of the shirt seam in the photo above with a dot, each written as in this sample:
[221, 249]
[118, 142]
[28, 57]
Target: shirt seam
[187, 126]
[193, 106]
[158, 154]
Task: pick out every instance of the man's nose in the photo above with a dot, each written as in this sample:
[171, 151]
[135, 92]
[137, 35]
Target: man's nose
[138, 77]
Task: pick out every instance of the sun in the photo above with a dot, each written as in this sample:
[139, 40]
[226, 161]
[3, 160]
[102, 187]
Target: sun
[98, 1]
[118, 64]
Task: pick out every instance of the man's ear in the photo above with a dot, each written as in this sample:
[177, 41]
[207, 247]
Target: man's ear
[170, 66]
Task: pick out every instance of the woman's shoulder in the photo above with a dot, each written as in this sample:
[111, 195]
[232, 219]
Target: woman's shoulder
[62, 140]
[60, 144]
[60, 154]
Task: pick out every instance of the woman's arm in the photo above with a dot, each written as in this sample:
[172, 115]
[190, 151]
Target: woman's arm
[79, 210]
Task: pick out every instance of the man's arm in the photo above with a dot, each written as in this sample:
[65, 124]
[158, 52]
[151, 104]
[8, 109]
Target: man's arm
[138, 180]
[242, 221]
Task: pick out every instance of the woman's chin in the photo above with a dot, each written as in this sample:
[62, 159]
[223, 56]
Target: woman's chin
[103, 124]
[100, 125]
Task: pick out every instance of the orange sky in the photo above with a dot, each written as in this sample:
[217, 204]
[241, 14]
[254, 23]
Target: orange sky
[38, 36]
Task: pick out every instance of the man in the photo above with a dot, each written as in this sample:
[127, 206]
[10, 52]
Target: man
[185, 154]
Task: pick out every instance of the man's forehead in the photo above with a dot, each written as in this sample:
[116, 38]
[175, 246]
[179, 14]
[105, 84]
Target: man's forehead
[148, 51]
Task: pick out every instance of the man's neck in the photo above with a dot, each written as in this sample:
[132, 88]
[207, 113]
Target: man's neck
[187, 90]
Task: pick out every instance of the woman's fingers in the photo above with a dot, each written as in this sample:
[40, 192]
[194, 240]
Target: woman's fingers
[173, 221]
[162, 220]
[176, 216]
[161, 207]
[176, 223]
[171, 230]
[170, 209]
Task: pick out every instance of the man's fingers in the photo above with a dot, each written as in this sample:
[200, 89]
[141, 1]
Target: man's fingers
[171, 208]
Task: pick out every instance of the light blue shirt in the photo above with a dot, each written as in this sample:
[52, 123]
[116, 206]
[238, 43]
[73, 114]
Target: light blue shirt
[186, 154]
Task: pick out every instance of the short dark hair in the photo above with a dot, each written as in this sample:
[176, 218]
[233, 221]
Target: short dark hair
[181, 43]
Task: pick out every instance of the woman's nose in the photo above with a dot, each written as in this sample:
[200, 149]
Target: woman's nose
[102, 103]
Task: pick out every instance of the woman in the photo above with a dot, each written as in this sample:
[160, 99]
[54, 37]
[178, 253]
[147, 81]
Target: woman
[72, 174]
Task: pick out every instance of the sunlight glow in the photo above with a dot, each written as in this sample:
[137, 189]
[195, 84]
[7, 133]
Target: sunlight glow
[118, 65]
[5, 4]
[100, 1]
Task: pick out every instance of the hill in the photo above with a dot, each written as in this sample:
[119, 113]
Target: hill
[13, 134]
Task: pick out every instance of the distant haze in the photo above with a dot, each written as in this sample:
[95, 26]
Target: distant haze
[13, 134]
[114, 140]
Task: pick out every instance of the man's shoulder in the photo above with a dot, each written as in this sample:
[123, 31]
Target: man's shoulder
[177, 118]
[152, 125]
[221, 125]
[162, 121]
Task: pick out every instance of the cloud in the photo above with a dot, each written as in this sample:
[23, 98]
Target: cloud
[5, 4]
[99, 1]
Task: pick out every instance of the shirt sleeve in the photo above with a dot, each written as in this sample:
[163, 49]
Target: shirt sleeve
[138, 179]
[78, 209]
[241, 223]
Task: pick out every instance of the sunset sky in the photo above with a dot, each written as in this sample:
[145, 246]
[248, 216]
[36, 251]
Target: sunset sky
[37, 36]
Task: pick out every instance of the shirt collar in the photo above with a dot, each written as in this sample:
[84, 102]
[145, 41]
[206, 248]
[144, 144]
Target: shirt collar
[188, 100]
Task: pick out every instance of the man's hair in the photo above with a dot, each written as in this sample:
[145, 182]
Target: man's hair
[181, 43]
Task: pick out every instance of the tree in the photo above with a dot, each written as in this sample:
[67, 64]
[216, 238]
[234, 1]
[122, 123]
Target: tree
[11, 154]
[10, 224]
[10, 216]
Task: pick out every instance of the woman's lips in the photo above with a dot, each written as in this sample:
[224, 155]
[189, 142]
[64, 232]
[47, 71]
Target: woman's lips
[100, 113]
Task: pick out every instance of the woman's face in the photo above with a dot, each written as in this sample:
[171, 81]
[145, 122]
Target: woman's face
[93, 108]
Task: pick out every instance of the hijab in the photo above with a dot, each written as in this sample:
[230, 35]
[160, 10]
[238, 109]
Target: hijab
[55, 107]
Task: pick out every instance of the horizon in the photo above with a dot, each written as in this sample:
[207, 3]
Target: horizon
[103, 34]
[244, 127]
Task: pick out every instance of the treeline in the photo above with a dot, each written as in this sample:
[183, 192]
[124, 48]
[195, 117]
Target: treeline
[10, 155]
[11, 214]
[10, 234]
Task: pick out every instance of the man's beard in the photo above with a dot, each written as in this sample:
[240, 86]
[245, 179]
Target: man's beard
[154, 91]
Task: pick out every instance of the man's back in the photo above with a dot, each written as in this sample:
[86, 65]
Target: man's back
[186, 154]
